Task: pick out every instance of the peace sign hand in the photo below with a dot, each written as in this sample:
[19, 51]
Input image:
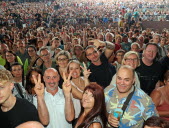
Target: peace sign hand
[86, 73]
[66, 86]
[39, 86]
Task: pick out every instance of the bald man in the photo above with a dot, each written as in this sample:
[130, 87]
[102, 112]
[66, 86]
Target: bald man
[139, 108]
[59, 103]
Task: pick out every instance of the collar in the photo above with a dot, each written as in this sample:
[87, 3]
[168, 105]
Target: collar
[57, 93]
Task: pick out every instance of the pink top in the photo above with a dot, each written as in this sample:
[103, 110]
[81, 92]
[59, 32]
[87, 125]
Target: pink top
[164, 105]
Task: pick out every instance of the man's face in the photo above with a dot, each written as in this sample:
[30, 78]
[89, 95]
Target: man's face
[4, 48]
[56, 43]
[20, 44]
[125, 39]
[93, 55]
[150, 52]
[125, 80]
[51, 79]
[5, 91]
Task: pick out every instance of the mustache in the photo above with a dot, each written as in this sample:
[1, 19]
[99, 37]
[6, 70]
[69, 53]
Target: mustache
[52, 83]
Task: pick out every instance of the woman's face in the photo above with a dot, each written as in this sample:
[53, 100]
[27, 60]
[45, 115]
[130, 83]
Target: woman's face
[119, 56]
[118, 40]
[35, 74]
[88, 100]
[75, 69]
[31, 52]
[56, 43]
[78, 51]
[62, 61]
[132, 60]
[17, 71]
[163, 41]
[10, 57]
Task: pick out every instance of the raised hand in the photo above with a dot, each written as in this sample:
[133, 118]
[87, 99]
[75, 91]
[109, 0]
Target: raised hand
[45, 41]
[39, 86]
[53, 45]
[97, 43]
[66, 86]
[86, 73]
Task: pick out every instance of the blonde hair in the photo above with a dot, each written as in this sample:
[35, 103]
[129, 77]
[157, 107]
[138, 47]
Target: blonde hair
[72, 61]
[118, 36]
[63, 52]
[5, 75]
[127, 54]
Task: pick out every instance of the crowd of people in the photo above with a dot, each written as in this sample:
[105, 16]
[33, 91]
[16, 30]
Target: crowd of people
[62, 75]
[82, 11]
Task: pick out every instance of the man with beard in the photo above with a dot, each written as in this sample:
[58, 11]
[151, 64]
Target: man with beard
[21, 50]
[59, 103]
[102, 70]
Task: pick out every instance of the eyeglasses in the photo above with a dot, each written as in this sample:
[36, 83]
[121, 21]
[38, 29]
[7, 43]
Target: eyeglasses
[90, 54]
[119, 55]
[17, 70]
[9, 55]
[45, 55]
[154, 51]
[129, 59]
[63, 59]
[31, 50]
[78, 49]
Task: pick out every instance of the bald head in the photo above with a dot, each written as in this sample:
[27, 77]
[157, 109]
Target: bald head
[30, 124]
[50, 70]
[127, 68]
[51, 79]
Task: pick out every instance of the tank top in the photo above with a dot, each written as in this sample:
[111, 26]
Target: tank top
[164, 106]
[96, 120]
[76, 102]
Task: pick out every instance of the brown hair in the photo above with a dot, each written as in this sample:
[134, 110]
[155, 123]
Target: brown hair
[99, 108]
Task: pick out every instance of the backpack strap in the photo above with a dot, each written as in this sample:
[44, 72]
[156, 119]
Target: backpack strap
[19, 89]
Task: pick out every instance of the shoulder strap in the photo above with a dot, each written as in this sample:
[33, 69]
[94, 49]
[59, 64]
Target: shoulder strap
[19, 89]
[128, 100]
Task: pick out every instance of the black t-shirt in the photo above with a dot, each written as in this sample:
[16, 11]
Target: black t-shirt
[149, 76]
[22, 111]
[103, 73]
